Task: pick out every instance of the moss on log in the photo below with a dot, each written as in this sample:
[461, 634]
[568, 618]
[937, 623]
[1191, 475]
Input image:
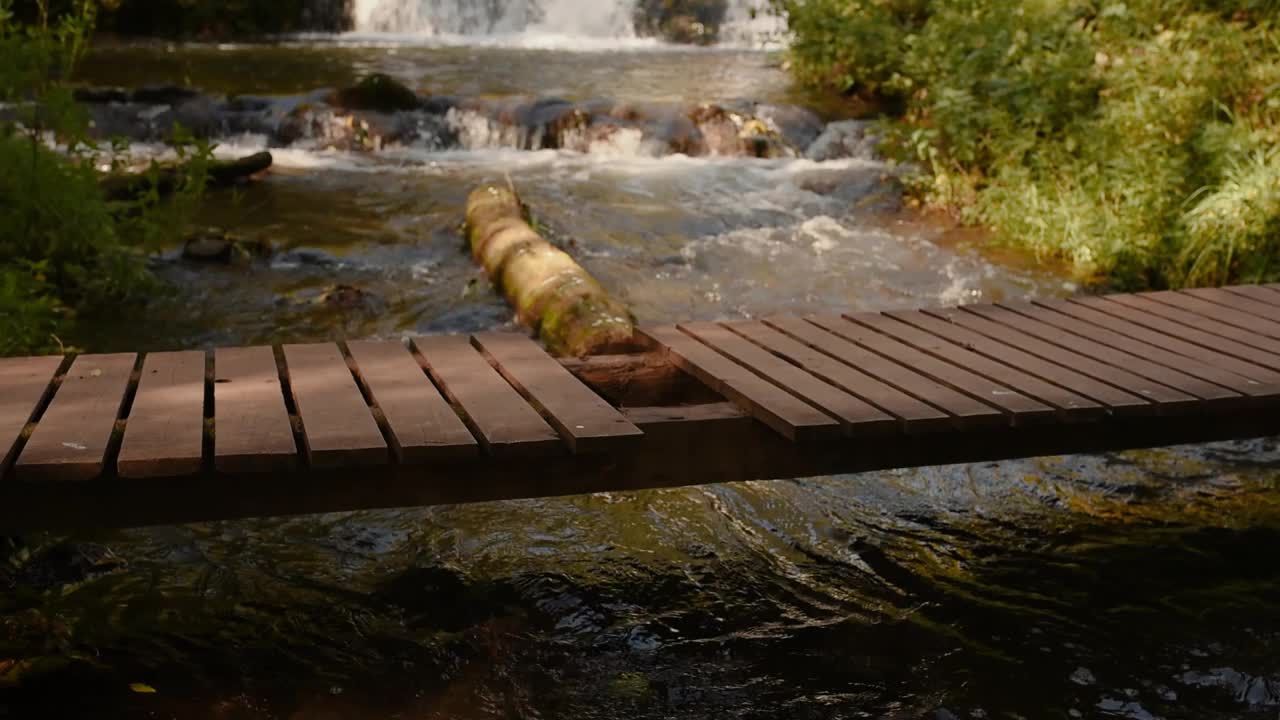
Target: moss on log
[551, 293]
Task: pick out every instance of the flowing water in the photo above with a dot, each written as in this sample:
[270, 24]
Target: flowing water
[1133, 585]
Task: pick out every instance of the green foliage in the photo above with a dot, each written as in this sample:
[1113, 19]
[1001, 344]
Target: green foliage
[65, 250]
[1136, 140]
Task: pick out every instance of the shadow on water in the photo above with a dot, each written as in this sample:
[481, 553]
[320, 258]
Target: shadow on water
[1134, 585]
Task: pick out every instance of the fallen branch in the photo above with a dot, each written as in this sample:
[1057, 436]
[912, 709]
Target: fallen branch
[551, 293]
[220, 173]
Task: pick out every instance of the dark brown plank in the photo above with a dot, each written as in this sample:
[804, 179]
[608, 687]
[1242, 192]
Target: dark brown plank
[1160, 396]
[1216, 312]
[788, 415]
[1169, 336]
[1100, 393]
[1156, 320]
[1085, 347]
[1019, 408]
[1266, 311]
[1072, 405]
[965, 411]
[1256, 292]
[504, 423]
[338, 428]
[164, 435]
[914, 415]
[1197, 321]
[856, 416]
[586, 422]
[421, 425]
[251, 427]
[72, 439]
[1133, 355]
[24, 385]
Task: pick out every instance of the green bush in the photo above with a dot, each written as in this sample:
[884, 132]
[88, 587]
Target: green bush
[65, 250]
[1135, 140]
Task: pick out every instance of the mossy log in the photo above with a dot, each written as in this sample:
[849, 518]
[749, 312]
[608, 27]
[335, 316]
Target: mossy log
[551, 293]
[220, 173]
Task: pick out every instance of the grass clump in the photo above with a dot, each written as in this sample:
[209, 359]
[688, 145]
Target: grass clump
[1135, 140]
[65, 250]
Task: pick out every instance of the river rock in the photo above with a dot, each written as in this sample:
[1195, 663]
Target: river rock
[213, 245]
[845, 139]
[342, 296]
[163, 95]
[681, 21]
[379, 92]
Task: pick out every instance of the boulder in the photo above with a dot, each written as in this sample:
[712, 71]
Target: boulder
[379, 92]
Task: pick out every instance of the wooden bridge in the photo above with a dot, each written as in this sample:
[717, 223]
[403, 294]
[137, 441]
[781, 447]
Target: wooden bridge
[124, 439]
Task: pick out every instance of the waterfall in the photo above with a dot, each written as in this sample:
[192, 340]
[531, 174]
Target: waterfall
[584, 18]
[736, 20]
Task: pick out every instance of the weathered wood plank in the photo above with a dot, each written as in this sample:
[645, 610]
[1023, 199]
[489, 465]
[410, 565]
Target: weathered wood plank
[914, 415]
[1169, 336]
[932, 339]
[1158, 320]
[775, 407]
[977, 318]
[71, 441]
[583, 418]
[1191, 359]
[965, 411]
[1138, 357]
[252, 431]
[1204, 324]
[164, 434]
[1256, 292]
[1217, 313]
[1019, 408]
[856, 416]
[1264, 311]
[338, 428]
[25, 383]
[1115, 400]
[504, 423]
[421, 425]
[1195, 388]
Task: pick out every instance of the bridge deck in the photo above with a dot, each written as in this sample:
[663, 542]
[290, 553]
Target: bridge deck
[125, 439]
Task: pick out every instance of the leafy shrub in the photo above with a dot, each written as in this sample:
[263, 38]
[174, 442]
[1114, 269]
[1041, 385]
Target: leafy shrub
[1135, 140]
[65, 250]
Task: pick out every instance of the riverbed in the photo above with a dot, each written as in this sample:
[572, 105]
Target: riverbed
[1135, 585]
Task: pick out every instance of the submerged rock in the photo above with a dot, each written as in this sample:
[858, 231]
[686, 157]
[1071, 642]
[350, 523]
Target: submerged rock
[347, 297]
[845, 139]
[378, 91]
[214, 245]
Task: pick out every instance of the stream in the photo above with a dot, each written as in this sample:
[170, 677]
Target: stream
[1132, 585]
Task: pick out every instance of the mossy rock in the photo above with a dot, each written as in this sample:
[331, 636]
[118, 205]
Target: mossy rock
[379, 92]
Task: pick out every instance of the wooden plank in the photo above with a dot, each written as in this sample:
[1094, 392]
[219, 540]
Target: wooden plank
[856, 416]
[338, 428]
[421, 425]
[1217, 313]
[72, 439]
[503, 422]
[1197, 321]
[1124, 381]
[1182, 386]
[1141, 329]
[586, 422]
[164, 434]
[1262, 310]
[251, 427]
[25, 383]
[1256, 292]
[1214, 339]
[1139, 357]
[1072, 405]
[913, 414]
[1019, 408]
[965, 411]
[788, 415]
[1115, 400]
